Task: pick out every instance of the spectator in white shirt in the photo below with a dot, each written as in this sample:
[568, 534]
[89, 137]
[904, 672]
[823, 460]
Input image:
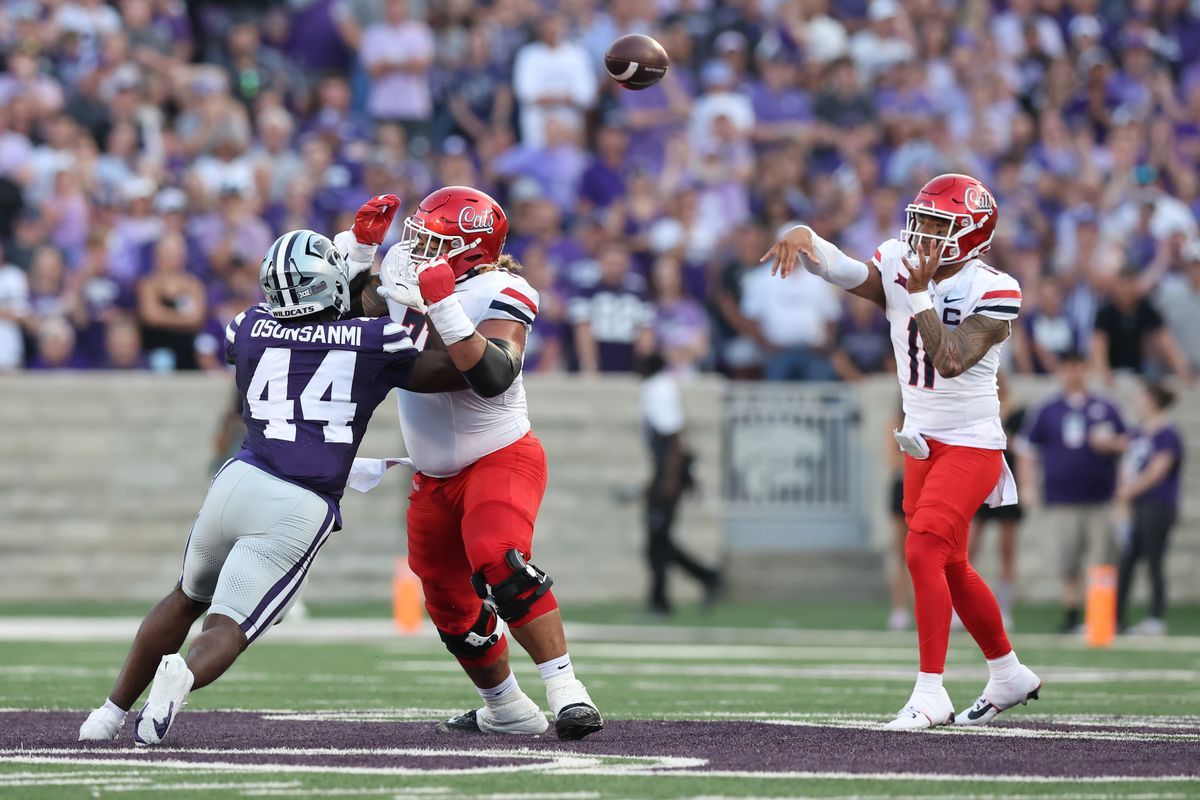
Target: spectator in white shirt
[886, 41]
[552, 75]
[14, 308]
[398, 54]
[719, 100]
[797, 318]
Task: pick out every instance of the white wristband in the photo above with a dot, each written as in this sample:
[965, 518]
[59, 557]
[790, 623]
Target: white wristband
[452, 323]
[920, 301]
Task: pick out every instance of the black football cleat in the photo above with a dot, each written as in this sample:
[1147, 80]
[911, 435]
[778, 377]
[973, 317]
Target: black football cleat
[576, 721]
[463, 723]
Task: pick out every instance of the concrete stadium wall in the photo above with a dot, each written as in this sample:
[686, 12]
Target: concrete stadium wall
[102, 474]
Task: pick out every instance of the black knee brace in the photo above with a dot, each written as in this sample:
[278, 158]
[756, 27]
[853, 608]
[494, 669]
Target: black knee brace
[513, 596]
[478, 639]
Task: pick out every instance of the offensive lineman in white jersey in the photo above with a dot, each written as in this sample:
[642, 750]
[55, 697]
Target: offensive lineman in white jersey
[480, 473]
[949, 315]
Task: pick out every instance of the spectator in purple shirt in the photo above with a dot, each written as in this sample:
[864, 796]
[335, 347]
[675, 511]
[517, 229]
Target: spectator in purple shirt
[557, 164]
[782, 110]
[681, 324]
[55, 345]
[1150, 485]
[613, 323]
[94, 297]
[603, 181]
[1074, 435]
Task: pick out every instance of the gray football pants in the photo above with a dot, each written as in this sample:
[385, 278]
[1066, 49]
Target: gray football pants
[252, 545]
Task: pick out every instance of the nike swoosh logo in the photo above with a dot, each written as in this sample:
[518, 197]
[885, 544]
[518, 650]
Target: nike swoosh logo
[975, 714]
[564, 666]
[161, 727]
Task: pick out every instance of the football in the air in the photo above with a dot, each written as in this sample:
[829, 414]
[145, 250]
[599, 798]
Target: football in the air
[636, 61]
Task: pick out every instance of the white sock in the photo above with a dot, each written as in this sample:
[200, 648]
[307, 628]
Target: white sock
[502, 693]
[1005, 667]
[928, 683]
[115, 709]
[556, 668]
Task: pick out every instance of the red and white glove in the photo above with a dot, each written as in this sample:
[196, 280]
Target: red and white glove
[436, 280]
[359, 244]
[374, 217]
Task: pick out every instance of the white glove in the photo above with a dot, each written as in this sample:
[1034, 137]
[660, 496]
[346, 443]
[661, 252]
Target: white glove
[360, 257]
[399, 279]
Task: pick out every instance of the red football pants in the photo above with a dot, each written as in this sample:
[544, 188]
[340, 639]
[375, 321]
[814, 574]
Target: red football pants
[466, 523]
[941, 495]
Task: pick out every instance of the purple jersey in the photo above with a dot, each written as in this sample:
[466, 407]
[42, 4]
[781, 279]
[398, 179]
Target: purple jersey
[309, 390]
[1143, 447]
[1072, 471]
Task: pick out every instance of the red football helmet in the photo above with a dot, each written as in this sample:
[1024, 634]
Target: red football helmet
[966, 204]
[458, 222]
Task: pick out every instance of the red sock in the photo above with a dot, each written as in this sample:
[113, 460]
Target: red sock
[927, 555]
[978, 609]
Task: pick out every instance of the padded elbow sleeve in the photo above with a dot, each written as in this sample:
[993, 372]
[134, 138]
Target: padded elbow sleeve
[496, 371]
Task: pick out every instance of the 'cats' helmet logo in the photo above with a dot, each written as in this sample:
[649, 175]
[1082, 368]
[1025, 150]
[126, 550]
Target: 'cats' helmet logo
[463, 224]
[963, 202]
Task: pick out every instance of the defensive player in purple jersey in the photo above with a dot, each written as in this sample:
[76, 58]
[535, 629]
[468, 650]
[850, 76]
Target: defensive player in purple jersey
[310, 377]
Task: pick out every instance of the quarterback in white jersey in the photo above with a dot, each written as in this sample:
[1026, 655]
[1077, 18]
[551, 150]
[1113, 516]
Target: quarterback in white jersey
[950, 315]
[480, 473]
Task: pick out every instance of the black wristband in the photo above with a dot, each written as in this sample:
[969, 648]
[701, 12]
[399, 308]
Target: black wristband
[496, 371]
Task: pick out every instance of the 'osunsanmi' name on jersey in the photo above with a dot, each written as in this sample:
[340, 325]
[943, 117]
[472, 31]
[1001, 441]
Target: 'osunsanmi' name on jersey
[316, 334]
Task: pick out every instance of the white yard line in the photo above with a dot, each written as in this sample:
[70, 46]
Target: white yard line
[573, 765]
[834, 671]
[331, 629]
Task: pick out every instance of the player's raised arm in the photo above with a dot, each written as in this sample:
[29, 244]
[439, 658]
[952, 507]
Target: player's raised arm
[359, 245]
[489, 359]
[953, 351]
[826, 261]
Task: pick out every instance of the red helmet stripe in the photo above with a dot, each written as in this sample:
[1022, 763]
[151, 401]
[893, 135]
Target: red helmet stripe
[514, 293]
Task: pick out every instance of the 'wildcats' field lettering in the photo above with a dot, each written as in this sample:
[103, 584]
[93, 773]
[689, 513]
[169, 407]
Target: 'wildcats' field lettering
[320, 334]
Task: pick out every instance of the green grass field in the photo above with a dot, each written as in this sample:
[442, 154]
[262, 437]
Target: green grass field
[805, 670]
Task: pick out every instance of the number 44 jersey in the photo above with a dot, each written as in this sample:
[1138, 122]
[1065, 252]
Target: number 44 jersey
[964, 410]
[309, 390]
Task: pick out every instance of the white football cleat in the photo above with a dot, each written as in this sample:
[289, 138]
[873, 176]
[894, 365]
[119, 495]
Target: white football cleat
[168, 694]
[102, 725]
[923, 711]
[998, 696]
[518, 715]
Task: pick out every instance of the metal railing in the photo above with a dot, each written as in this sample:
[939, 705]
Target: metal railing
[792, 471]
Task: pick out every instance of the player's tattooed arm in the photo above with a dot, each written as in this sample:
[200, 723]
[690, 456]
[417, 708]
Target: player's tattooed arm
[953, 352]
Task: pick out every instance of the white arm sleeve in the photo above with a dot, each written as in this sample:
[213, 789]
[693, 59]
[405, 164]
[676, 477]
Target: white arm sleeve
[360, 257]
[832, 264]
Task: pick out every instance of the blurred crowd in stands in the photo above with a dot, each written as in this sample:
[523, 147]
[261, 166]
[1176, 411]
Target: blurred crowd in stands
[150, 151]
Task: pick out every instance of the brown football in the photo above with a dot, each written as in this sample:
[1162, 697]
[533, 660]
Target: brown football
[636, 61]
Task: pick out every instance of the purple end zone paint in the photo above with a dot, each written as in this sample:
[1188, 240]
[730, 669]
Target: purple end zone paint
[742, 746]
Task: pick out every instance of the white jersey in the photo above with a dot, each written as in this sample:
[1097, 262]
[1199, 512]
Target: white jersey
[963, 410]
[445, 433]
